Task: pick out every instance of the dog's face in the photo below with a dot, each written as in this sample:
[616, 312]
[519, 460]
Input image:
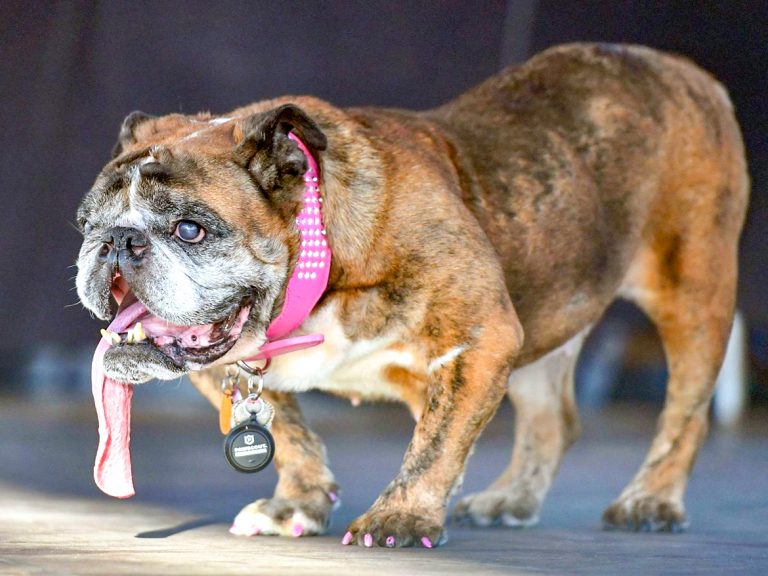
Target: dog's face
[190, 229]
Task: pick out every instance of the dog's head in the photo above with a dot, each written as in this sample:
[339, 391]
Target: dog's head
[190, 231]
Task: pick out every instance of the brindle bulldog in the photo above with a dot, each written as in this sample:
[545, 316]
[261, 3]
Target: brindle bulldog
[474, 246]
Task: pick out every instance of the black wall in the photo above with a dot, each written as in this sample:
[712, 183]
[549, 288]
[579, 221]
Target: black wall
[70, 71]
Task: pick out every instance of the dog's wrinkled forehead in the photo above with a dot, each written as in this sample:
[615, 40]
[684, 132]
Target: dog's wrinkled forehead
[243, 170]
[184, 174]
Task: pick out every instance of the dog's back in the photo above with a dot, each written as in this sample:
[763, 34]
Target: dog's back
[584, 159]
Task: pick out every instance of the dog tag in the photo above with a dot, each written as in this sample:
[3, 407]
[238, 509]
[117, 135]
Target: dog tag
[249, 447]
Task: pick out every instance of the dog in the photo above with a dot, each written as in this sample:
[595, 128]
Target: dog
[474, 246]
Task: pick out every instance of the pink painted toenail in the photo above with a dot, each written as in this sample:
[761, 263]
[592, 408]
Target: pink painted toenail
[298, 530]
[368, 540]
[347, 538]
[426, 543]
[390, 542]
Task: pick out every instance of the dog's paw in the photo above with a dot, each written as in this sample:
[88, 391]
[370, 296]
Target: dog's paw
[645, 513]
[282, 517]
[515, 508]
[394, 529]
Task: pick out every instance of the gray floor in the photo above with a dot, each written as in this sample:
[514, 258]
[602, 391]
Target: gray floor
[53, 520]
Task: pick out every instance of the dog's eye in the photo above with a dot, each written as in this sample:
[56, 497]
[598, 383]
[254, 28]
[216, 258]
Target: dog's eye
[87, 227]
[189, 231]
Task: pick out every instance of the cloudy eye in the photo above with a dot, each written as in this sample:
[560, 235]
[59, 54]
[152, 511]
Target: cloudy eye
[189, 231]
[87, 227]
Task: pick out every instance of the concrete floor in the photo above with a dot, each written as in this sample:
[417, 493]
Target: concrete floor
[53, 520]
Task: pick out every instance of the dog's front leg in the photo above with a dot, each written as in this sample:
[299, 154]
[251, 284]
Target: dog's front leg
[464, 393]
[306, 491]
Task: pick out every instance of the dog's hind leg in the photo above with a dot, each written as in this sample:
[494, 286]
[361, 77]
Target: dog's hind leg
[546, 424]
[306, 492]
[685, 281]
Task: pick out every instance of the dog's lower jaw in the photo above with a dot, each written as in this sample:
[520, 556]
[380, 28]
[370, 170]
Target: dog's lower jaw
[139, 368]
[140, 363]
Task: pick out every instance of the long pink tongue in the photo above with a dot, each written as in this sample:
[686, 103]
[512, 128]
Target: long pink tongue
[112, 469]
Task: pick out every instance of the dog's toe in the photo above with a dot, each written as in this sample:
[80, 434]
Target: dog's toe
[492, 507]
[281, 517]
[645, 513]
[394, 529]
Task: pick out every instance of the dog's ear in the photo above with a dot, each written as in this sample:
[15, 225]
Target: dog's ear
[264, 148]
[128, 131]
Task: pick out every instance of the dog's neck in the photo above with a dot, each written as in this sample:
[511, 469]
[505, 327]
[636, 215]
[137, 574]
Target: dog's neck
[310, 275]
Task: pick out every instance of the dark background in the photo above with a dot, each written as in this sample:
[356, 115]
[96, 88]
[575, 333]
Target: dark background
[70, 72]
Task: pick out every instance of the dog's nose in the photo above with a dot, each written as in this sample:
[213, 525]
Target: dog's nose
[123, 246]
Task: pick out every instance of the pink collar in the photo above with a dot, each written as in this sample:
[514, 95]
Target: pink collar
[310, 277]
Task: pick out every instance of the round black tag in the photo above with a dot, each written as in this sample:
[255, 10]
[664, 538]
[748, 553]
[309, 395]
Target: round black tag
[249, 447]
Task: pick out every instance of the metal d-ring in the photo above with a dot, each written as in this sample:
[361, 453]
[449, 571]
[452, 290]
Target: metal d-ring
[254, 373]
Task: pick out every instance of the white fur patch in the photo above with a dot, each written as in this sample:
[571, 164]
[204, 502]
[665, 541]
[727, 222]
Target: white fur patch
[339, 364]
[252, 521]
[446, 358]
[185, 293]
[513, 522]
[134, 218]
[538, 381]
[213, 123]
[194, 134]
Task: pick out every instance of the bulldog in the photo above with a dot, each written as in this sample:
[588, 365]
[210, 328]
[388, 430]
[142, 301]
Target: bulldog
[473, 247]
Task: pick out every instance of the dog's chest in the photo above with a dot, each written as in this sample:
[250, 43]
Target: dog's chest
[355, 368]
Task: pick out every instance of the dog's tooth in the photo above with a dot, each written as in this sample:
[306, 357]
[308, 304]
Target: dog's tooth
[129, 337]
[138, 333]
[111, 337]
